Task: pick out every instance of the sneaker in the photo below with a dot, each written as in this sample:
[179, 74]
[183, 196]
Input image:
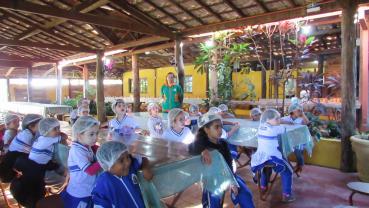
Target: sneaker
[288, 198]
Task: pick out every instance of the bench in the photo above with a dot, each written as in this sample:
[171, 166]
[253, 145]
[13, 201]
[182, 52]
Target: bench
[357, 187]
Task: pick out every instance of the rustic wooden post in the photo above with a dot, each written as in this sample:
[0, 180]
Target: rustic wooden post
[100, 104]
[85, 81]
[136, 83]
[275, 80]
[364, 78]
[320, 64]
[59, 86]
[213, 78]
[348, 74]
[69, 89]
[263, 82]
[29, 84]
[178, 51]
[8, 89]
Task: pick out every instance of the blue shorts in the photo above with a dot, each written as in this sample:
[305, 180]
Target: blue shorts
[74, 202]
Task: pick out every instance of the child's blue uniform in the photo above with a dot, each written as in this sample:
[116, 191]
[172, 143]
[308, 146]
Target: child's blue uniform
[123, 192]
[299, 151]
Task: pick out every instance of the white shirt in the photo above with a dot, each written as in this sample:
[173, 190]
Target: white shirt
[123, 129]
[80, 158]
[22, 142]
[289, 119]
[267, 144]
[43, 149]
[155, 126]
[185, 136]
[9, 135]
[74, 114]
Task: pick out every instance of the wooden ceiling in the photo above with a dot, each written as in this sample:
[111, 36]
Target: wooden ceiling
[35, 31]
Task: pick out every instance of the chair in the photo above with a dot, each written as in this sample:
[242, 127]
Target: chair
[357, 187]
[265, 193]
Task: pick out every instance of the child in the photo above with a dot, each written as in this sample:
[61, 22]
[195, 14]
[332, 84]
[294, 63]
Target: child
[268, 153]
[177, 131]
[155, 122]
[12, 125]
[255, 114]
[194, 116]
[118, 185]
[123, 126]
[20, 146]
[84, 102]
[224, 111]
[82, 164]
[296, 116]
[29, 185]
[208, 138]
[83, 111]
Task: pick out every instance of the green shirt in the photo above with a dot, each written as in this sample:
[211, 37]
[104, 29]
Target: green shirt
[172, 97]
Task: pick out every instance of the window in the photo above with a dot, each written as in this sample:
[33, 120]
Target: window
[188, 84]
[143, 85]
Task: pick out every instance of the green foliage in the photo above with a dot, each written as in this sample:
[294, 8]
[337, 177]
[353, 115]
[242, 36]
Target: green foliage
[203, 60]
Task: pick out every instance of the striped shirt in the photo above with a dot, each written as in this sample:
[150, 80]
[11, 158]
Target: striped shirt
[22, 142]
[184, 136]
[43, 149]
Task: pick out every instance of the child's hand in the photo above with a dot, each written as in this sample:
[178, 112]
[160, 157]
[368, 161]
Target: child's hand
[236, 127]
[206, 157]
[146, 169]
[234, 189]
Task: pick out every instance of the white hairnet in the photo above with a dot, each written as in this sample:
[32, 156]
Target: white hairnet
[81, 109]
[46, 125]
[172, 115]
[82, 124]
[223, 107]
[30, 118]
[255, 111]
[193, 108]
[294, 107]
[109, 152]
[152, 106]
[114, 104]
[207, 118]
[9, 118]
[295, 100]
[214, 110]
[269, 114]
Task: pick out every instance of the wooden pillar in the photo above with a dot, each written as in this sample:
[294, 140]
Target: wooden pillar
[320, 64]
[348, 81]
[213, 79]
[69, 89]
[178, 51]
[100, 104]
[136, 83]
[59, 86]
[364, 79]
[29, 84]
[8, 89]
[85, 81]
[263, 82]
[275, 81]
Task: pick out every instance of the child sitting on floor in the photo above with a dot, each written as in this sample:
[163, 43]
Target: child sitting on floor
[118, 185]
[12, 125]
[296, 116]
[155, 122]
[224, 111]
[255, 114]
[82, 164]
[29, 185]
[268, 153]
[177, 131]
[20, 146]
[208, 138]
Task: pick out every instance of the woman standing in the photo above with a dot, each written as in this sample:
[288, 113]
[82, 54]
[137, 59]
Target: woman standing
[172, 93]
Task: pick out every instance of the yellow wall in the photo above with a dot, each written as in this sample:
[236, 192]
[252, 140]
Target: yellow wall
[148, 74]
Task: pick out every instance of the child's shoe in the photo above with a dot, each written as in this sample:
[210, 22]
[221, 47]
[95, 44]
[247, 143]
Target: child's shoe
[288, 198]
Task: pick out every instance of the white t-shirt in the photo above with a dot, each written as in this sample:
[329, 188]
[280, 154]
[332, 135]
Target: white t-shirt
[124, 128]
[155, 126]
[289, 119]
[22, 142]
[43, 149]
[80, 158]
[9, 135]
[185, 136]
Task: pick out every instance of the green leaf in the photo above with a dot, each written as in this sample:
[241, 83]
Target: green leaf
[309, 40]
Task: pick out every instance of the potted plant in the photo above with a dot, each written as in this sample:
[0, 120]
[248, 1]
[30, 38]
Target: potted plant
[360, 145]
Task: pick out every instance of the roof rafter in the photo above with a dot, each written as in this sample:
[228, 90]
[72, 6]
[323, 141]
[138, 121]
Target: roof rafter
[188, 12]
[9, 72]
[18, 58]
[207, 8]
[292, 2]
[262, 5]
[236, 9]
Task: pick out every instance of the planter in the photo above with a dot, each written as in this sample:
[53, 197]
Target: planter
[361, 149]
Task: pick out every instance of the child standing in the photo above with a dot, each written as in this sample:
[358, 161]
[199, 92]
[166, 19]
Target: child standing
[20, 146]
[82, 164]
[194, 116]
[29, 186]
[84, 102]
[207, 138]
[155, 122]
[268, 153]
[118, 185]
[12, 125]
[177, 131]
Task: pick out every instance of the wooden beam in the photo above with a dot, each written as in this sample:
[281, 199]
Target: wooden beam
[7, 42]
[29, 84]
[207, 8]
[292, 3]
[262, 5]
[23, 64]
[139, 42]
[100, 104]
[18, 58]
[167, 13]
[178, 55]
[59, 86]
[188, 12]
[9, 72]
[48, 72]
[274, 16]
[107, 35]
[235, 8]
[136, 83]
[105, 21]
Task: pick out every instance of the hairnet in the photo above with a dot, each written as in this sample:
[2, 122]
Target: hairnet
[46, 125]
[81, 109]
[269, 114]
[214, 110]
[294, 107]
[114, 104]
[109, 152]
[295, 100]
[30, 118]
[152, 106]
[82, 124]
[9, 118]
[172, 115]
[255, 111]
[223, 107]
[193, 108]
[207, 118]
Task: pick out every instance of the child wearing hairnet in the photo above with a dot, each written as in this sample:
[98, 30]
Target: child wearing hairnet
[20, 146]
[12, 125]
[224, 111]
[123, 126]
[118, 185]
[255, 114]
[155, 123]
[208, 138]
[194, 112]
[82, 164]
[29, 185]
[84, 102]
[268, 153]
[296, 117]
[177, 131]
